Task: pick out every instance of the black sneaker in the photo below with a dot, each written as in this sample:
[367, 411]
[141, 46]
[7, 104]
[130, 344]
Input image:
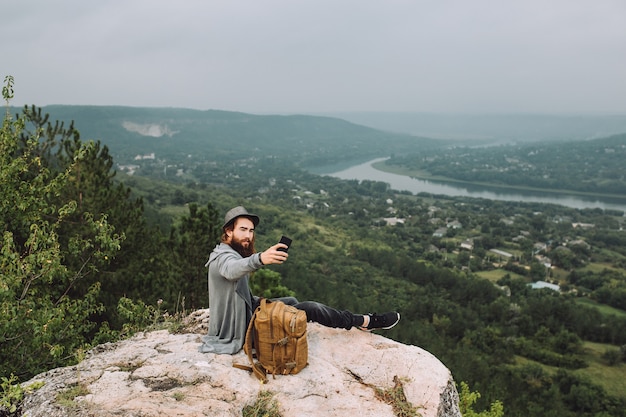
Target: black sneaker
[382, 321]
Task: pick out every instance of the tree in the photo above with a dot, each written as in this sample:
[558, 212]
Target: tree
[90, 183]
[467, 400]
[191, 242]
[42, 320]
[267, 284]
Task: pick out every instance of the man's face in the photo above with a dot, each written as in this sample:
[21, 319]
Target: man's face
[241, 238]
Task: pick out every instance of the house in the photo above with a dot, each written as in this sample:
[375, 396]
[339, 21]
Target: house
[455, 224]
[501, 253]
[392, 221]
[146, 156]
[441, 232]
[583, 225]
[579, 242]
[538, 247]
[547, 262]
[542, 284]
[467, 244]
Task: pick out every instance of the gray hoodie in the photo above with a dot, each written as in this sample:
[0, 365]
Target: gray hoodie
[230, 301]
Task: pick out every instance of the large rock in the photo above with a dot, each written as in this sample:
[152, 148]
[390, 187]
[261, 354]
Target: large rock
[162, 374]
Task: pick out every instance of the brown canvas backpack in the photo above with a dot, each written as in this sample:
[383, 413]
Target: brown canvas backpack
[277, 333]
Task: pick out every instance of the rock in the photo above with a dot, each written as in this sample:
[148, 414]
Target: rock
[162, 374]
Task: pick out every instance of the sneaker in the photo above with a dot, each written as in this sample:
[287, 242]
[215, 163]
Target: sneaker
[382, 321]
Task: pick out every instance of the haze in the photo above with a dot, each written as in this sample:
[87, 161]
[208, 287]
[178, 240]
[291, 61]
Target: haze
[274, 56]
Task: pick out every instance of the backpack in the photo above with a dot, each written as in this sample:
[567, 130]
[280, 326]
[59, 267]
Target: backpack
[277, 332]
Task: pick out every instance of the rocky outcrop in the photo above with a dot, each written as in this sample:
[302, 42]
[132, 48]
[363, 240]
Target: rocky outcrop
[162, 374]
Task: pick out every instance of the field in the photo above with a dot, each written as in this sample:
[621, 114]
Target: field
[495, 274]
[602, 307]
[609, 377]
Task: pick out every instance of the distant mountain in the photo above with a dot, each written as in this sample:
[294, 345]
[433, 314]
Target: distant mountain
[499, 128]
[174, 133]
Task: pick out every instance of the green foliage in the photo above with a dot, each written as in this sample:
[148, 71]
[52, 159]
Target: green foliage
[41, 305]
[267, 284]
[12, 394]
[612, 356]
[548, 165]
[66, 396]
[191, 240]
[504, 339]
[467, 399]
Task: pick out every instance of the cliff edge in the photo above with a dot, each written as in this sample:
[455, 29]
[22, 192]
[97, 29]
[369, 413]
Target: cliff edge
[161, 374]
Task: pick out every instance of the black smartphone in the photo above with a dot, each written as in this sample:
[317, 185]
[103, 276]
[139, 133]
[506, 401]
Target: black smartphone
[286, 241]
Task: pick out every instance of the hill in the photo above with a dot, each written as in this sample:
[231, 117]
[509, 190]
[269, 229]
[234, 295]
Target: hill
[493, 128]
[585, 166]
[175, 134]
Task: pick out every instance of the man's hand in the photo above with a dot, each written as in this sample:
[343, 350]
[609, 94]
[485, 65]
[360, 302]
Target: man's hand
[274, 256]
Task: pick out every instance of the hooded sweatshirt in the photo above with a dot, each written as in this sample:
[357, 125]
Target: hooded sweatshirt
[230, 300]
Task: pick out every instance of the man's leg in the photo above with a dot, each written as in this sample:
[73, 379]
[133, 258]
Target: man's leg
[330, 317]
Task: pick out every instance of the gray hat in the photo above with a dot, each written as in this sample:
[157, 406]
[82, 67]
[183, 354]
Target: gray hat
[239, 211]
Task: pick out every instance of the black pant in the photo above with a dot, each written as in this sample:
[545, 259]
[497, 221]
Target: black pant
[322, 314]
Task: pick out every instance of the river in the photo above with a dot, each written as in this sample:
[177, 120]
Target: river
[366, 171]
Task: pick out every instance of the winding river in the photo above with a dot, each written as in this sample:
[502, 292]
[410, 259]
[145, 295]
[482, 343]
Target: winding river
[366, 171]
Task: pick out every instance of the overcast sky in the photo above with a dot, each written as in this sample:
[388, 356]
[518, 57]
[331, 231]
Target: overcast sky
[293, 56]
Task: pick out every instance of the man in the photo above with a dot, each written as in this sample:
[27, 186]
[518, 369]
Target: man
[231, 303]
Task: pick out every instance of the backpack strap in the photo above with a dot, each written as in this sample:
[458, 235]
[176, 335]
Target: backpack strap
[256, 368]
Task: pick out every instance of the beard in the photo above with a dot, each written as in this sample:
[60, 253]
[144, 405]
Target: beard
[240, 247]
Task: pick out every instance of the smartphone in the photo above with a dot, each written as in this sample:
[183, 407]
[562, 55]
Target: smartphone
[286, 241]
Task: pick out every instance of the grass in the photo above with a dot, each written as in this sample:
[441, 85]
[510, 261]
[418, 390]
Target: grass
[395, 397]
[264, 406]
[603, 308]
[598, 267]
[66, 397]
[610, 378]
[495, 274]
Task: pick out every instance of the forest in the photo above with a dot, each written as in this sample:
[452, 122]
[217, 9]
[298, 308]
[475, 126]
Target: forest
[91, 254]
[593, 166]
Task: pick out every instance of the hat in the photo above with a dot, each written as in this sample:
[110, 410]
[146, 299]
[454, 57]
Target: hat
[239, 211]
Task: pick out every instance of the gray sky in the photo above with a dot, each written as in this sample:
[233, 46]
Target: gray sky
[294, 56]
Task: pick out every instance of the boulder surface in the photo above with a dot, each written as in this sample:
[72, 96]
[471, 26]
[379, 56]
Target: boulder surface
[158, 373]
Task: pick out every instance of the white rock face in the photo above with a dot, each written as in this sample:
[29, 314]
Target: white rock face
[149, 129]
[163, 374]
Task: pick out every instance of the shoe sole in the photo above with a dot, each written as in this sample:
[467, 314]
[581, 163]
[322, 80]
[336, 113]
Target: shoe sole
[365, 329]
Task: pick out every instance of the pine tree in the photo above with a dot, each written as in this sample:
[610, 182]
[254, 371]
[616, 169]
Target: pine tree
[191, 241]
[42, 320]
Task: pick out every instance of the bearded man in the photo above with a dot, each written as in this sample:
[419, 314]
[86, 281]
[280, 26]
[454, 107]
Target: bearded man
[231, 303]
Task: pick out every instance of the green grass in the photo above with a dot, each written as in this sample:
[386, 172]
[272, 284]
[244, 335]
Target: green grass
[603, 308]
[611, 378]
[597, 267]
[495, 274]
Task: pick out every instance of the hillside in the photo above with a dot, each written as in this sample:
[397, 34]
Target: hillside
[587, 166]
[175, 134]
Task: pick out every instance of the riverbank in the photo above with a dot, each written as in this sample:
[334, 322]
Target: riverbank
[423, 175]
[371, 170]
